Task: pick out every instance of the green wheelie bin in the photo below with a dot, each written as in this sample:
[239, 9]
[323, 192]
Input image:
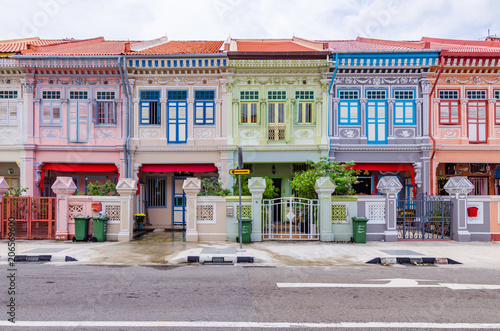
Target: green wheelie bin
[100, 228]
[359, 229]
[81, 228]
[246, 228]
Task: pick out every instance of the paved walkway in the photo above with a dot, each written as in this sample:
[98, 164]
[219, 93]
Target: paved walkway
[170, 248]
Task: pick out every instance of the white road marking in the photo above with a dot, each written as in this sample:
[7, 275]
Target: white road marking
[208, 324]
[395, 283]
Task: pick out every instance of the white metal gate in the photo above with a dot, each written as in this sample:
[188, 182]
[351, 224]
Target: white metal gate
[290, 219]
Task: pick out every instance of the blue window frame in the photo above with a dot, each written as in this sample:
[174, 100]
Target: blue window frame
[150, 110]
[204, 107]
[349, 107]
[404, 107]
[376, 116]
[51, 107]
[177, 116]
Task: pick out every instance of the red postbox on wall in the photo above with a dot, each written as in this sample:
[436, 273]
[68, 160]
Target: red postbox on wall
[472, 211]
[96, 206]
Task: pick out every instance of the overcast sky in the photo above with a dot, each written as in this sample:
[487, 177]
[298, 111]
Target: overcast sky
[217, 19]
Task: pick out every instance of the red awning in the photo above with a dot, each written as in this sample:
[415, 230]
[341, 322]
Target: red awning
[196, 167]
[388, 167]
[72, 167]
[188, 167]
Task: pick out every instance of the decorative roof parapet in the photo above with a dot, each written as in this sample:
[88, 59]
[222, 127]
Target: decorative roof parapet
[9, 63]
[277, 63]
[68, 62]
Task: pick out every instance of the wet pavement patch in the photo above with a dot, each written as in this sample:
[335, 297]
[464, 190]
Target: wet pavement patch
[400, 252]
[45, 250]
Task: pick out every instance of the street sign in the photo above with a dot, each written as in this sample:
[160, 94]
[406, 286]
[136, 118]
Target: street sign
[239, 171]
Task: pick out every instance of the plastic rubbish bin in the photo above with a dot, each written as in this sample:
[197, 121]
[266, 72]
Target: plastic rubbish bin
[81, 228]
[100, 228]
[359, 229]
[246, 228]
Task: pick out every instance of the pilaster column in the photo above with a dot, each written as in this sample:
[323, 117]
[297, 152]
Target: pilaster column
[191, 186]
[390, 186]
[126, 188]
[325, 187]
[491, 118]
[190, 116]
[257, 186]
[463, 116]
[263, 120]
[334, 125]
[219, 120]
[458, 187]
[363, 102]
[421, 120]
[63, 187]
[163, 117]
[233, 122]
[390, 119]
[136, 119]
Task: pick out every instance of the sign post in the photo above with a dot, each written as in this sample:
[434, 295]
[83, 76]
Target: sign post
[240, 171]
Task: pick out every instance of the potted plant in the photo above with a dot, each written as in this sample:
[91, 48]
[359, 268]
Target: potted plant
[139, 218]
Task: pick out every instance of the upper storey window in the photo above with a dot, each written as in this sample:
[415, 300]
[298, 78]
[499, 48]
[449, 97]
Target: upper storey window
[349, 107]
[449, 107]
[476, 94]
[249, 105]
[8, 107]
[476, 116]
[376, 116]
[404, 107]
[177, 116]
[104, 110]
[305, 110]
[150, 110]
[51, 107]
[276, 113]
[78, 116]
[204, 107]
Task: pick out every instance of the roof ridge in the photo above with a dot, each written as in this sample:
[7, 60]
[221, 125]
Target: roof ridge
[416, 45]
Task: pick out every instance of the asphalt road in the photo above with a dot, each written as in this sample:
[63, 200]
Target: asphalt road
[230, 297]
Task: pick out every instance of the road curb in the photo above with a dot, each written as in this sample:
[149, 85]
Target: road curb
[40, 258]
[412, 260]
[225, 259]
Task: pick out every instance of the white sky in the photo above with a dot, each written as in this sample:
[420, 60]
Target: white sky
[217, 19]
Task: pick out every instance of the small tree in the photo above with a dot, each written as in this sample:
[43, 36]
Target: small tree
[211, 186]
[97, 188]
[15, 191]
[303, 182]
[270, 192]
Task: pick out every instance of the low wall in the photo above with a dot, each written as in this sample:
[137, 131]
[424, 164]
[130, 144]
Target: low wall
[211, 218]
[82, 206]
[232, 203]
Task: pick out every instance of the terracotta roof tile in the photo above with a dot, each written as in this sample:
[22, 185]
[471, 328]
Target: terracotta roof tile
[19, 45]
[183, 47]
[96, 46]
[466, 46]
[355, 45]
[271, 46]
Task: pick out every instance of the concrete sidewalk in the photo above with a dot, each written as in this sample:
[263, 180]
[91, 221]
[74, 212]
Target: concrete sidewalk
[170, 248]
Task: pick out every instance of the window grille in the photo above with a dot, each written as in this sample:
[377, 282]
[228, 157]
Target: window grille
[304, 95]
[51, 94]
[481, 95]
[8, 94]
[276, 95]
[350, 95]
[403, 95]
[376, 95]
[156, 191]
[249, 95]
[78, 94]
[448, 94]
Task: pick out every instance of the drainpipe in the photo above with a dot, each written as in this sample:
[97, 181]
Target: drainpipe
[330, 101]
[126, 88]
[431, 163]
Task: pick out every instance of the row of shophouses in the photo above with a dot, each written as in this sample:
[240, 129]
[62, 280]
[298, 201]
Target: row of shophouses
[159, 111]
